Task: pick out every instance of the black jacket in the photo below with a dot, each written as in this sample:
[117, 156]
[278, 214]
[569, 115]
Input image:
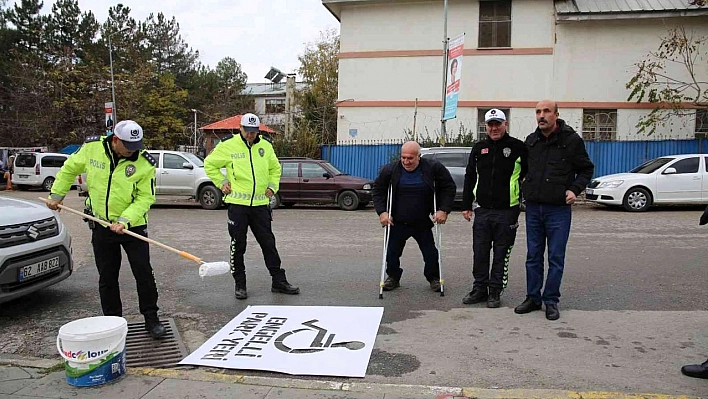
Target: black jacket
[556, 164]
[433, 172]
[494, 173]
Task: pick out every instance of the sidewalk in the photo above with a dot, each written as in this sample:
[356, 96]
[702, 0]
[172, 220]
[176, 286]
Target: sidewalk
[41, 378]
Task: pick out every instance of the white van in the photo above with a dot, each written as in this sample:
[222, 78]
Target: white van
[37, 169]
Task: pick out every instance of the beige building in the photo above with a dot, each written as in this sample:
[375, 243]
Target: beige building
[271, 103]
[578, 52]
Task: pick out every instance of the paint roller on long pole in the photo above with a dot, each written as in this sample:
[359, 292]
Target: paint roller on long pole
[205, 268]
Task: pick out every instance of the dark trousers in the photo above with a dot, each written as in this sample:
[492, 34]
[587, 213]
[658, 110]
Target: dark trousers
[493, 230]
[258, 218]
[423, 235]
[106, 251]
[546, 224]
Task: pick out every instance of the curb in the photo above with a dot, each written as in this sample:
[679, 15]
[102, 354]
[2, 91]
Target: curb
[31, 362]
[439, 392]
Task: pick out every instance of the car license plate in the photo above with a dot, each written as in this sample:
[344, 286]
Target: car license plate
[588, 191]
[23, 176]
[38, 269]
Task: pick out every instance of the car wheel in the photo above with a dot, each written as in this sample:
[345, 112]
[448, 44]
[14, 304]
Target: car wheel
[48, 183]
[210, 198]
[275, 201]
[636, 199]
[348, 201]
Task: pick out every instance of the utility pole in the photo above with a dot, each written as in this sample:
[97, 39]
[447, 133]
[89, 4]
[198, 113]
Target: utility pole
[443, 134]
[289, 99]
[415, 114]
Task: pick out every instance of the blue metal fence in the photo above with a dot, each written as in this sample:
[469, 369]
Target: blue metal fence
[360, 160]
[608, 156]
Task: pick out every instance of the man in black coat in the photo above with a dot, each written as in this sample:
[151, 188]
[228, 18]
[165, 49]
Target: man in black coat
[559, 170]
[413, 182]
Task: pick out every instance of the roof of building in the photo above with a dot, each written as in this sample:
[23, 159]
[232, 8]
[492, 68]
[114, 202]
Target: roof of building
[234, 123]
[578, 10]
[269, 89]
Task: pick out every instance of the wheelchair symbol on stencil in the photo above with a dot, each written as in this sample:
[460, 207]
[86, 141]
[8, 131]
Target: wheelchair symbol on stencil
[319, 344]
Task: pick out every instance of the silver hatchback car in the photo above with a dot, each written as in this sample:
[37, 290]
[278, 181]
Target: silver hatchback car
[455, 160]
[35, 248]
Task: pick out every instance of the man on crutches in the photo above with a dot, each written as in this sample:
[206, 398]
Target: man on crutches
[406, 193]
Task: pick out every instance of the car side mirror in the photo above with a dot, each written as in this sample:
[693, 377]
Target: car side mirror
[187, 165]
[326, 174]
[669, 171]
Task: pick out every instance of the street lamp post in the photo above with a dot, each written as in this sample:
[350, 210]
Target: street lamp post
[195, 128]
[113, 86]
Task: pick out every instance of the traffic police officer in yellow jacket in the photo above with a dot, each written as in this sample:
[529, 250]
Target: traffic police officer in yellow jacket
[121, 188]
[253, 176]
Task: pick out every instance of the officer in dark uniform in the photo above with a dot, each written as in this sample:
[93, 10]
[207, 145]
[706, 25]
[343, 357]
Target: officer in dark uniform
[120, 176]
[496, 167]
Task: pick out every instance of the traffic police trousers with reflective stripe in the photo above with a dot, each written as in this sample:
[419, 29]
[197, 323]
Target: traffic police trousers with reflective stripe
[493, 229]
[259, 219]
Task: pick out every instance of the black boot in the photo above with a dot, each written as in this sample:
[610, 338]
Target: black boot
[494, 300]
[527, 306]
[477, 295]
[391, 284]
[240, 292]
[284, 287]
[153, 326]
[696, 370]
[435, 285]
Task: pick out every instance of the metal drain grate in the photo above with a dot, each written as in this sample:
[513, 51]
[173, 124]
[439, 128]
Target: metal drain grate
[143, 351]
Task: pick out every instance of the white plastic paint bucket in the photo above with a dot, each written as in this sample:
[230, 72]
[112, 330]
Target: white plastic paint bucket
[93, 350]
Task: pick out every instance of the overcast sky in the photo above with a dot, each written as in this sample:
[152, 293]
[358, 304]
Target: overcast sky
[258, 34]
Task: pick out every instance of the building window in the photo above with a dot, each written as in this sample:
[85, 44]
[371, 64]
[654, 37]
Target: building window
[495, 23]
[482, 127]
[600, 124]
[702, 123]
[275, 105]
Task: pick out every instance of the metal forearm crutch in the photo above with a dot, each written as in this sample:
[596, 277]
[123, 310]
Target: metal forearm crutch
[387, 233]
[437, 237]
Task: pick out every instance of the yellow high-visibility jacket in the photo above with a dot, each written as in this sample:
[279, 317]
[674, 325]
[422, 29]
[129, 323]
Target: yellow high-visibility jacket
[120, 190]
[251, 170]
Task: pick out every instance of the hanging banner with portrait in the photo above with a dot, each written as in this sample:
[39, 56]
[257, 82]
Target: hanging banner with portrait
[454, 73]
[299, 340]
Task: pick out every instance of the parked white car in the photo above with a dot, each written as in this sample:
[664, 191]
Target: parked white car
[35, 248]
[37, 169]
[179, 174]
[673, 179]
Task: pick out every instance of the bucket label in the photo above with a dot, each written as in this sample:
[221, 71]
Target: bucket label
[83, 355]
[107, 370]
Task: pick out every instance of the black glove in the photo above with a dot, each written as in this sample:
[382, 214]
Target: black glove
[704, 217]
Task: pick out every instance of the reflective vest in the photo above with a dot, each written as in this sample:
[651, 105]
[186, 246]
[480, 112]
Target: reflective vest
[251, 170]
[119, 190]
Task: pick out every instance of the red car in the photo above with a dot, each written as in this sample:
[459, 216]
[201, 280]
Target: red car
[306, 180]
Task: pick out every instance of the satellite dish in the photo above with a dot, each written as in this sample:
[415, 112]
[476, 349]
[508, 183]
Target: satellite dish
[274, 75]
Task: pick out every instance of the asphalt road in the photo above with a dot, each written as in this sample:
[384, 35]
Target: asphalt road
[631, 281]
